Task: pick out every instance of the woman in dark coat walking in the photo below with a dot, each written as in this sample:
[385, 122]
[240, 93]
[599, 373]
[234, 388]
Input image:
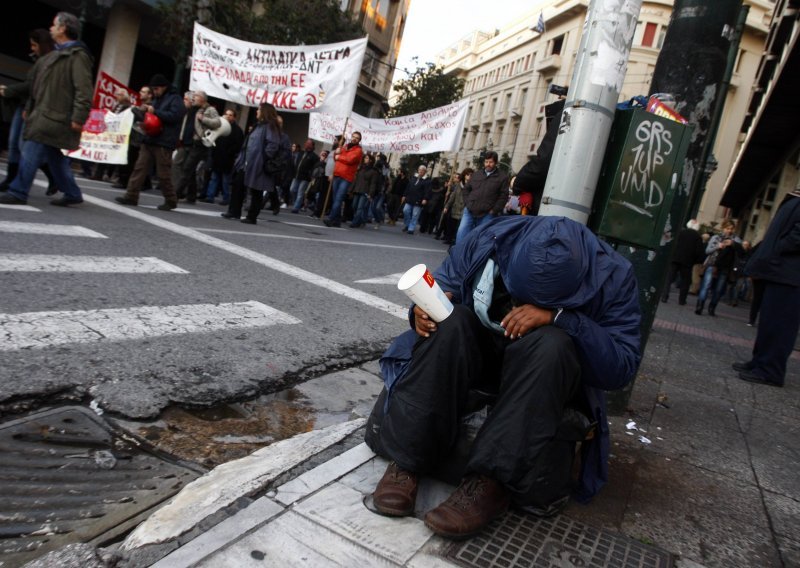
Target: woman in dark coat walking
[263, 143]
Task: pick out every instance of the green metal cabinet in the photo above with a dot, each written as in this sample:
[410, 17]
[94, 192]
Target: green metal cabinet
[640, 175]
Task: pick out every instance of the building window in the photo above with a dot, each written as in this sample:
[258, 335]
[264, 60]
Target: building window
[528, 61]
[557, 45]
[662, 33]
[738, 60]
[522, 97]
[649, 34]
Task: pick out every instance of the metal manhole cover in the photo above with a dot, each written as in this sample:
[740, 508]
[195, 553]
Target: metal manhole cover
[67, 477]
[520, 540]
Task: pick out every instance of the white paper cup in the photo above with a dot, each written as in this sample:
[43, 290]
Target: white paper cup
[419, 285]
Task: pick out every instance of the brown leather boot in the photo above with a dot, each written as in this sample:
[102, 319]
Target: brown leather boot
[396, 492]
[469, 509]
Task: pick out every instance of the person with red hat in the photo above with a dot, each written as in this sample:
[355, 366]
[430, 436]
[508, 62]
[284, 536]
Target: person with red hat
[160, 121]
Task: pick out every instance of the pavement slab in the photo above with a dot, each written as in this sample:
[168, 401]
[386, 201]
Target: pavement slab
[699, 514]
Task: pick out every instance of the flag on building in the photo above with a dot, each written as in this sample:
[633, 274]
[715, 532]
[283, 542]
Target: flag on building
[539, 27]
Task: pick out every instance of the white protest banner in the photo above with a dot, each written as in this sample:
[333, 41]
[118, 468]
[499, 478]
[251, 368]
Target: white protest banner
[301, 78]
[435, 130]
[105, 137]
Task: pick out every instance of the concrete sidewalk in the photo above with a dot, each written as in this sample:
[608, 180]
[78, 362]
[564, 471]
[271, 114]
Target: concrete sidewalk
[703, 471]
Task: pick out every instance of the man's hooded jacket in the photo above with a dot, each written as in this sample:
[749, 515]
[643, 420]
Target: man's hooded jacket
[553, 262]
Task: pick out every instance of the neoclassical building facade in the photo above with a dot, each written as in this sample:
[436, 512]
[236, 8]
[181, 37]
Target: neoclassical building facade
[508, 72]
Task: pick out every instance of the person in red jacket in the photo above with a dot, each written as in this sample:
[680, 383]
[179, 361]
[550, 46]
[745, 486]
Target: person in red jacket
[344, 172]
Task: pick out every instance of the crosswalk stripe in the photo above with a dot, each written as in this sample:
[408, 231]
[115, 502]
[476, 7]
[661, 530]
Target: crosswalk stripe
[47, 229]
[29, 208]
[355, 294]
[95, 264]
[207, 213]
[388, 279]
[369, 244]
[43, 329]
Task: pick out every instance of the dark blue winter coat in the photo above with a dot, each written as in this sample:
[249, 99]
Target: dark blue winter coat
[553, 262]
[170, 109]
[777, 258]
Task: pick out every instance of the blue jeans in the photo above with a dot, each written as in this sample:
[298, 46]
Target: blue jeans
[34, 154]
[360, 207]
[15, 137]
[298, 191]
[377, 208]
[213, 183]
[469, 222]
[715, 284]
[410, 216]
[340, 187]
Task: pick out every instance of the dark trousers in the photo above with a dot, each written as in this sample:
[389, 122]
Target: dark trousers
[755, 304]
[534, 377]
[777, 332]
[684, 272]
[237, 194]
[188, 178]
[162, 157]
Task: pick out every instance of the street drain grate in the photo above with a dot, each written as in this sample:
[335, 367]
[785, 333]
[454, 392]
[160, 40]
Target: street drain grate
[67, 477]
[523, 541]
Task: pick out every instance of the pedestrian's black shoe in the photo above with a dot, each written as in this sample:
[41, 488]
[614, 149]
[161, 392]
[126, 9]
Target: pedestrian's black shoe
[248, 221]
[8, 199]
[51, 190]
[167, 206]
[126, 200]
[228, 215]
[65, 201]
[712, 310]
[742, 365]
[752, 377]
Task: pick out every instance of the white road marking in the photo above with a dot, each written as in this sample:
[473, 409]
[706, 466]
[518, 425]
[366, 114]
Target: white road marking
[388, 279]
[20, 208]
[272, 263]
[47, 229]
[204, 212]
[207, 213]
[96, 264]
[43, 329]
[292, 237]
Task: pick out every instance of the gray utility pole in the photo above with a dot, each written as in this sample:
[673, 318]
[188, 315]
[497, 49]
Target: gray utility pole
[589, 110]
[691, 67]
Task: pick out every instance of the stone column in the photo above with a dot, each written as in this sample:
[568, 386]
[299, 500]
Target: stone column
[119, 45]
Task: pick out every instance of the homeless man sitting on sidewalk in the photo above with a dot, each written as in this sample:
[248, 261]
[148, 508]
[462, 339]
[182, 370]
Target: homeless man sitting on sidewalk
[547, 316]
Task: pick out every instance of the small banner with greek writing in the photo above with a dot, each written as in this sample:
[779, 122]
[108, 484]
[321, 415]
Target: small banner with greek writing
[302, 78]
[105, 137]
[435, 130]
[106, 88]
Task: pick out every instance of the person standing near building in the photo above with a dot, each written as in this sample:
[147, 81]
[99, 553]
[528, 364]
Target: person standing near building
[158, 145]
[59, 103]
[348, 158]
[776, 264]
[485, 196]
[688, 252]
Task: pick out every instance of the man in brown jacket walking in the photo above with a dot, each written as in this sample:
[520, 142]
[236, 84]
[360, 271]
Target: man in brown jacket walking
[485, 196]
[61, 94]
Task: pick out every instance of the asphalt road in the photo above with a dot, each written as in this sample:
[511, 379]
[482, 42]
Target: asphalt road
[138, 309]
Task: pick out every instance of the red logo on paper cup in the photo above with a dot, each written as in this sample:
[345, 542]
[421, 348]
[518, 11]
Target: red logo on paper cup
[429, 278]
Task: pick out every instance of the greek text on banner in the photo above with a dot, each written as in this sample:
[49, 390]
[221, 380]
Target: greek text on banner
[300, 78]
[435, 130]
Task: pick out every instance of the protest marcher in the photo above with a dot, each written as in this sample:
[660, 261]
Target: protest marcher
[545, 318]
[305, 163]
[415, 197]
[485, 196]
[347, 158]
[135, 142]
[775, 264]
[367, 183]
[165, 113]
[454, 206]
[14, 99]
[318, 188]
[61, 86]
[264, 145]
[205, 116]
[223, 154]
